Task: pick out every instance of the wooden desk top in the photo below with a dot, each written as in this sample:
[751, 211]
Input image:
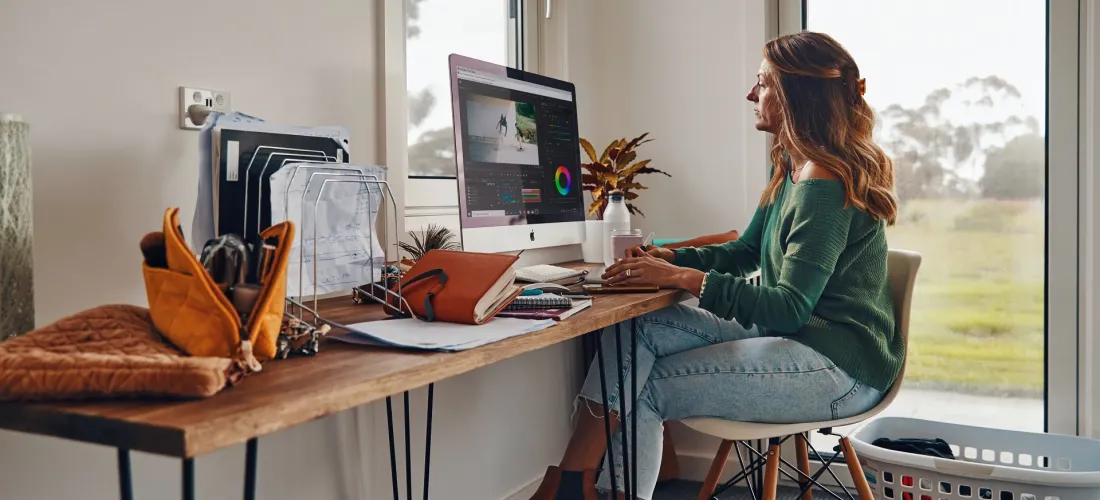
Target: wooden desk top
[296, 390]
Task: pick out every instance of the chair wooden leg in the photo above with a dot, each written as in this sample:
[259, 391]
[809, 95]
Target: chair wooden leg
[803, 463]
[854, 468]
[715, 472]
[771, 471]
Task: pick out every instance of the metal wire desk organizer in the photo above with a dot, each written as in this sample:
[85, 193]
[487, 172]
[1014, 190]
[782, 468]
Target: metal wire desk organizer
[334, 193]
[325, 177]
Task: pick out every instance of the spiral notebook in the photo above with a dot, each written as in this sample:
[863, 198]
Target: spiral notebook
[543, 301]
[554, 314]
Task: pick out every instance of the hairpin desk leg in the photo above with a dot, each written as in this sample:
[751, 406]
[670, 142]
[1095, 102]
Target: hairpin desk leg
[606, 413]
[623, 436]
[393, 451]
[408, 452]
[428, 440]
[250, 460]
[189, 479]
[125, 483]
[634, 408]
[408, 445]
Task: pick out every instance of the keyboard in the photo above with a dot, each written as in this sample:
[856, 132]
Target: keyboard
[543, 273]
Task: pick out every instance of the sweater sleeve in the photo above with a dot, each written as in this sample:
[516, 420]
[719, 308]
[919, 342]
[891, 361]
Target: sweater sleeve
[739, 257]
[819, 227]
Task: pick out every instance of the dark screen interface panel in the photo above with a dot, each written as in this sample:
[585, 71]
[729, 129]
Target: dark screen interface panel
[520, 153]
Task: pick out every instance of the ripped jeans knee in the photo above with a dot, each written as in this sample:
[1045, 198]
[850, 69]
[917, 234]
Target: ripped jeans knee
[588, 403]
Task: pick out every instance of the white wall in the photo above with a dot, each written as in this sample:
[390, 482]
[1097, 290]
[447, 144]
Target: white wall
[685, 83]
[680, 73]
[98, 82]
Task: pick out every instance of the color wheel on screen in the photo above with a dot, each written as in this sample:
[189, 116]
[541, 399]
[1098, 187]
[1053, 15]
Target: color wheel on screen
[563, 181]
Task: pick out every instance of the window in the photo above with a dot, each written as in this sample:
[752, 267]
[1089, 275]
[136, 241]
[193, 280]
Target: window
[491, 30]
[970, 131]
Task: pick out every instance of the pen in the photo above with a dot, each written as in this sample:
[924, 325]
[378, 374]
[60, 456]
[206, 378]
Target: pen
[648, 241]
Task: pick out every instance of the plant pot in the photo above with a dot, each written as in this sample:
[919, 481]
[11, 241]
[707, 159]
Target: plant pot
[592, 248]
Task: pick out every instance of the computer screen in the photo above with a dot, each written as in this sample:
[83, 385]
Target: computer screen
[518, 154]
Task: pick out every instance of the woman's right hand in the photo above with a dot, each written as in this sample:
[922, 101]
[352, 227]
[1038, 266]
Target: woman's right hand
[654, 251]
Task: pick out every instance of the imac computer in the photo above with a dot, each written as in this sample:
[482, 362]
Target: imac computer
[518, 156]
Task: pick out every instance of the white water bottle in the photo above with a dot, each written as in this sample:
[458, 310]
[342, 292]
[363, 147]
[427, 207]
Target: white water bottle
[615, 217]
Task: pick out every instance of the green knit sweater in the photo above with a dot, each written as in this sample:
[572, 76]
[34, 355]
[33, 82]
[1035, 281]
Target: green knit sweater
[823, 279]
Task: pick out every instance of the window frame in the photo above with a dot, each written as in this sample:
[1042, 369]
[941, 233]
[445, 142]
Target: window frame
[434, 199]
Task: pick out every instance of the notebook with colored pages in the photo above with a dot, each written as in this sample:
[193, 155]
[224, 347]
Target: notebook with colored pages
[554, 314]
[543, 301]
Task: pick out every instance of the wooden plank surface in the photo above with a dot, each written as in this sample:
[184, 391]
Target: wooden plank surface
[296, 390]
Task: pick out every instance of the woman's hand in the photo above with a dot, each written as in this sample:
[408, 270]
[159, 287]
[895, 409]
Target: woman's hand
[658, 252]
[641, 268]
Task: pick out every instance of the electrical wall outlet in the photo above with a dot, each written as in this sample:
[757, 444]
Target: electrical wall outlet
[215, 100]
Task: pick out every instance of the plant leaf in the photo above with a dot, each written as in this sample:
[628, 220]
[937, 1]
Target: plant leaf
[634, 210]
[597, 168]
[636, 141]
[632, 185]
[633, 169]
[607, 152]
[650, 170]
[436, 237]
[630, 195]
[614, 153]
[589, 178]
[594, 208]
[587, 146]
[624, 158]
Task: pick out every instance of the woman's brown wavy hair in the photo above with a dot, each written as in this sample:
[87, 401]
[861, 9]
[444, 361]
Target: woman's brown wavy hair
[824, 119]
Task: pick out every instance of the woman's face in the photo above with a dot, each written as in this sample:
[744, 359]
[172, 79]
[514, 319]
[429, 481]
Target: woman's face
[766, 107]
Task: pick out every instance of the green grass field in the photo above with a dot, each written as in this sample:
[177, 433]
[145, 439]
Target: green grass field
[977, 318]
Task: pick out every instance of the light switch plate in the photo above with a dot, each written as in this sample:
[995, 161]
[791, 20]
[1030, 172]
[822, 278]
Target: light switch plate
[217, 100]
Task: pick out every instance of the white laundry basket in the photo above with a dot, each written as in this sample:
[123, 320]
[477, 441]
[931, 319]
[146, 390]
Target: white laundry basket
[989, 464]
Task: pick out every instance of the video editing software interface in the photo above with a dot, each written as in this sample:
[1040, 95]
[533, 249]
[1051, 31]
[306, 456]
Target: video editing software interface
[520, 149]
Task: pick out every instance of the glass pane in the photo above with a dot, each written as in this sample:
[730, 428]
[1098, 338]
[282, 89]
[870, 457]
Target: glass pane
[959, 91]
[435, 29]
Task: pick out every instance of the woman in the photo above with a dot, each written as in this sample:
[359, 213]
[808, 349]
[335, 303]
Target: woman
[816, 340]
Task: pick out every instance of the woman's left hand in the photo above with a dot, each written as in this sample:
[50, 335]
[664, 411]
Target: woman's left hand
[644, 269]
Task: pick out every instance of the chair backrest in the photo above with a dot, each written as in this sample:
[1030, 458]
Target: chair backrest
[901, 274]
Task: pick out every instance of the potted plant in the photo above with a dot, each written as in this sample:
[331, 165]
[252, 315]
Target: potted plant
[435, 237]
[613, 170]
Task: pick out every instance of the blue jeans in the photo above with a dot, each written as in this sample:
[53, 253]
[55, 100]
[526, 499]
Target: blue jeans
[691, 363]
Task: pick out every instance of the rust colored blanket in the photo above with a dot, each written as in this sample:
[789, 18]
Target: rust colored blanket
[105, 352]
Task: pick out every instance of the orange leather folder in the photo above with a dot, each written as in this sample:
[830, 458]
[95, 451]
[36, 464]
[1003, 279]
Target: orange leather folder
[459, 287]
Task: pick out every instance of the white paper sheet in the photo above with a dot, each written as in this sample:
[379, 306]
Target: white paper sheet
[346, 225]
[438, 336]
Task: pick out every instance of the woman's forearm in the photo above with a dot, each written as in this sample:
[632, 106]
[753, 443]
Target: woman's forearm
[691, 280]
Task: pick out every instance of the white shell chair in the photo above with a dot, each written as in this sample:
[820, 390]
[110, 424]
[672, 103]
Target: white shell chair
[902, 268]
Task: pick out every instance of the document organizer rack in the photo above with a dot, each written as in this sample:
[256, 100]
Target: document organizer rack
[245, 157]
[322, 175]
[245, 202]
